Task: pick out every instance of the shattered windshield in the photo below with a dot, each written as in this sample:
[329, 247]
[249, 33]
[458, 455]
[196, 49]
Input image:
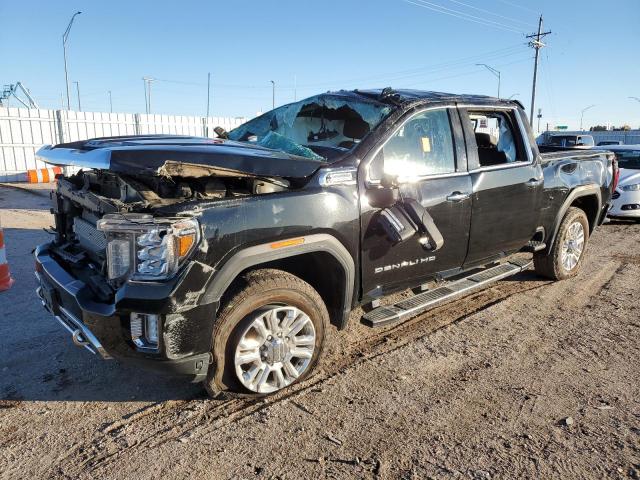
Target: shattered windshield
[320, 127]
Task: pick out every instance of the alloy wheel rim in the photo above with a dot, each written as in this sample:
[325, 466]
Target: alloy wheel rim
[275, 349]
[572, 246]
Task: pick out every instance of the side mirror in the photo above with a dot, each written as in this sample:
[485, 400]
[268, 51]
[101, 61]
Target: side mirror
[221, 132]
[382, 197]
[389, 181]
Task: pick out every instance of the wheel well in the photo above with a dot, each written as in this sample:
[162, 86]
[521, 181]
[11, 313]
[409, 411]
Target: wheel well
[590, 206]
[321, 270]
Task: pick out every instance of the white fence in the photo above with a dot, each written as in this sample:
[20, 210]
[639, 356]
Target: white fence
[23, 131]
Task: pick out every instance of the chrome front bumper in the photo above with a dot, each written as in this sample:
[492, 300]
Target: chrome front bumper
[80, 334]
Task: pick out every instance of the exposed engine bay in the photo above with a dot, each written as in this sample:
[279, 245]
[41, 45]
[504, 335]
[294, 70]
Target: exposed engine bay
[88, 205]
[129, 193]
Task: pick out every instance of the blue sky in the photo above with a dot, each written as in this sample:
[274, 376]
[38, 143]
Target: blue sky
[592, 57]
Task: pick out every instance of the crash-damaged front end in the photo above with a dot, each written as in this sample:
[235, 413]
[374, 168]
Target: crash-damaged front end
[143, 225]
[127, 270]
[125, 278]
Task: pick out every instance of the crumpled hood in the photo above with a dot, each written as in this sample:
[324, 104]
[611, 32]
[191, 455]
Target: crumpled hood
[178, 155]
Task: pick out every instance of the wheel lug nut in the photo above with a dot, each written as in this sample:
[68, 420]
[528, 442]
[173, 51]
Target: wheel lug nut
[269, 337]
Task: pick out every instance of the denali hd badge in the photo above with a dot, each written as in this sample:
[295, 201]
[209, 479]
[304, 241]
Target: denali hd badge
[405, 263]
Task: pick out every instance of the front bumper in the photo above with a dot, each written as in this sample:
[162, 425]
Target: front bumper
[625, 205]
[104, 328]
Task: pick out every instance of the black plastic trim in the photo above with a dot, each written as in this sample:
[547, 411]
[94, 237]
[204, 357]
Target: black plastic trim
[259, 254]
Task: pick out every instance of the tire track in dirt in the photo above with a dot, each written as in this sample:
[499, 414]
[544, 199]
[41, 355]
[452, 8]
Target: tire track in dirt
[163, 423]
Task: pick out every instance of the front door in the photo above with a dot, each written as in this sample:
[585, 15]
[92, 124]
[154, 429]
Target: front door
[427, 155]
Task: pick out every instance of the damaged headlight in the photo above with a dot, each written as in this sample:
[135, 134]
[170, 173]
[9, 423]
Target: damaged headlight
[145, 248]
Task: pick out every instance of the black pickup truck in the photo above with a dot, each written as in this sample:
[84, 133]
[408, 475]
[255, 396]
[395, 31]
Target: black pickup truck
[226, 260]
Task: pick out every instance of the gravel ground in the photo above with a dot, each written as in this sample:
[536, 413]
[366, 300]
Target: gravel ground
[527, 379]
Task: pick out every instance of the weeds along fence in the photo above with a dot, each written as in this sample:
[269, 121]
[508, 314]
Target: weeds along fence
[23, 131]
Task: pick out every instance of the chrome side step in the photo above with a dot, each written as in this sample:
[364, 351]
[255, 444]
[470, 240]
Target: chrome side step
[421, 302]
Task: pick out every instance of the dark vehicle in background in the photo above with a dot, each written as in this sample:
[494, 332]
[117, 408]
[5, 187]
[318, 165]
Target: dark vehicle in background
[570, 141]
[625, 202]
[226, 260]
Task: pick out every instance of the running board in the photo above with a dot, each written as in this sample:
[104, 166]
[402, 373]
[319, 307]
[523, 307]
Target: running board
[421, 302]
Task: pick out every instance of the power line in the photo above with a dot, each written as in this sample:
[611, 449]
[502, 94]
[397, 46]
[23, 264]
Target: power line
[464, 16]
[491, 55]
[468, 73]
[490, 12]
[517, 6]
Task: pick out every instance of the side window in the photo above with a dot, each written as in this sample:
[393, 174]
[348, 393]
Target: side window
[497, 138]
[422, 146]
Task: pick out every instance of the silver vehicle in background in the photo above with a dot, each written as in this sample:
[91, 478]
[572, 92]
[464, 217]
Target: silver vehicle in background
[626, 197]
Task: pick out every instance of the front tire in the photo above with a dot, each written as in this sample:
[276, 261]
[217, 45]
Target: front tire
[567, 252]
[268, 336]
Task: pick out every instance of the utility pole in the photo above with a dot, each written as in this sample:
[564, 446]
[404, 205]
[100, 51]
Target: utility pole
[110, 103]
[208, 92]
[65, 37]
[78, 93]
[537, 45]
[273, 94]
[295, 88]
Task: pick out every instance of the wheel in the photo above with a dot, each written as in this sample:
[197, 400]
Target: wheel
[268, 336]
[566, 254]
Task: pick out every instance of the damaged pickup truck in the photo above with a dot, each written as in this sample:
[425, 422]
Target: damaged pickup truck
[227, 260]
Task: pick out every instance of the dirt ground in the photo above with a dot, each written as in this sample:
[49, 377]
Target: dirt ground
[528, 379]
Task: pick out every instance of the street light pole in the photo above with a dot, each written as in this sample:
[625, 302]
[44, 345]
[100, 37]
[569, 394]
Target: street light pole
[78, 93]
[208, 92]
[494, 71]
[582, 114]
[273, 94]
[147, 93]
[65, 37]
[110, 103]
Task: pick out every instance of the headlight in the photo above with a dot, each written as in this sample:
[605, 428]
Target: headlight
[145, 248]
[631, 188]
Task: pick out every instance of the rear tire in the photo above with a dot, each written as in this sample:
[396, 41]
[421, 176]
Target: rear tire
[268, 336]
[567, 252]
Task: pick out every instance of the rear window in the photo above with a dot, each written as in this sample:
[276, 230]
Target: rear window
[629, 160]
[559, 141]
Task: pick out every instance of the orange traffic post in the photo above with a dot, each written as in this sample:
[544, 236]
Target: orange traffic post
[43, 175]
[5, 276]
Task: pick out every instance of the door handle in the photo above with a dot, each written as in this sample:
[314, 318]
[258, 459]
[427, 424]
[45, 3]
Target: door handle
[458, 197]
[534, 182]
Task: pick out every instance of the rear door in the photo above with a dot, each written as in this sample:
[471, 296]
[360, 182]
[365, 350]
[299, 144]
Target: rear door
[507, 183]
[426, 151]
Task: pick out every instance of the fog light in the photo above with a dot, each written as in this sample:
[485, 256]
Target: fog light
[144, 330]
